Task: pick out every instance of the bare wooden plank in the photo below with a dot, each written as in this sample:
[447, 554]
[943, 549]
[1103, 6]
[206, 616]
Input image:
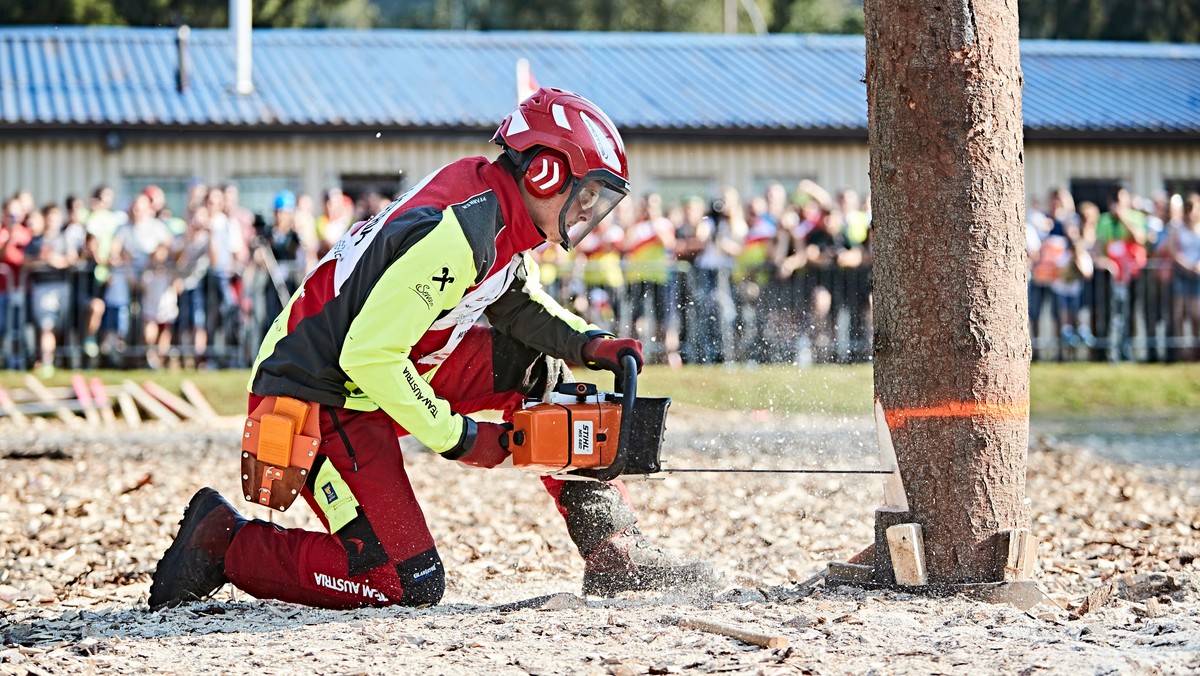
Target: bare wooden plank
[9, 407]
[129, 409]
[172, 401]
[84, 395]
[149, 403]
[196, 397]
[103, 403]
[64, 414]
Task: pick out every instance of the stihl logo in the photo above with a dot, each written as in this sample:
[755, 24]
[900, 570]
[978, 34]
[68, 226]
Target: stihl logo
[583, 437]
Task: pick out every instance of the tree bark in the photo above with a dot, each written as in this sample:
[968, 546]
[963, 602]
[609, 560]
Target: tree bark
[951, 341]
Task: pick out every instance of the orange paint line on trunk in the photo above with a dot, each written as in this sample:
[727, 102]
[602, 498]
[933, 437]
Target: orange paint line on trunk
[959, 409]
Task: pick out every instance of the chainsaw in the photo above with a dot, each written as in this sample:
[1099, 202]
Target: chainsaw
[583, 433]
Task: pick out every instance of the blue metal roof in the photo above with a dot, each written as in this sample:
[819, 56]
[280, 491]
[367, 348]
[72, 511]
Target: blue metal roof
[440, 80]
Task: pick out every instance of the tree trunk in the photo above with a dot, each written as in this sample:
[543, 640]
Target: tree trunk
[952, 340]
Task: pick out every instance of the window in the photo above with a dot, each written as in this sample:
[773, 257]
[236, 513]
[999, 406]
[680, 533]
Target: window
[1182, 186]
[1094, 190]
[675, 190]
[760, 183]
[357, 186]
[257, 192]
[174, 188]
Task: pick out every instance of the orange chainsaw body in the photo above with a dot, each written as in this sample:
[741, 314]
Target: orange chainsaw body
[557, 437]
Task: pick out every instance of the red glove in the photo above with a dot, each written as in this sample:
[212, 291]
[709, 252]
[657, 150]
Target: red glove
[491, 445]
[605, 352]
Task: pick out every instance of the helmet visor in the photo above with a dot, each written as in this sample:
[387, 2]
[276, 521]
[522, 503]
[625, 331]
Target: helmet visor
[591, 199]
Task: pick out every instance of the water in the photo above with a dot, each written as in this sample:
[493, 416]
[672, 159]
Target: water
[1152, 440]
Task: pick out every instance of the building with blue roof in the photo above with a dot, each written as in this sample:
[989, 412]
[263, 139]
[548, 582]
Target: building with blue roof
[80, 106]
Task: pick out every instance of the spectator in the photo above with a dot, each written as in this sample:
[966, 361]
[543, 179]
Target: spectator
[306, 228]
[149, 246]
[1184, 247]
[287, 260]
[688, 246]
[101, 227]
[228, 255]
[333, 223]
[1152, 289]
[192, 261]
[823, 245]
[723, 232]
[1074, 266]
[597, 263]
[1037, 228]
[239, 214]
[160, 305]
[646, 245]
[752, 272]
[1121, 236]
[52, 252]
[14, 239]
[854, 266]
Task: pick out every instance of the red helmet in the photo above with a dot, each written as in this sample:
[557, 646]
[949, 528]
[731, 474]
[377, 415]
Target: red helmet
[588, 142]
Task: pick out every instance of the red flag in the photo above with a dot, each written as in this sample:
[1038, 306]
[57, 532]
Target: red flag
[526, 82]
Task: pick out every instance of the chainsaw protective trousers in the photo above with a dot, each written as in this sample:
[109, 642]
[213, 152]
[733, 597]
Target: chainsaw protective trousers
[377, 548]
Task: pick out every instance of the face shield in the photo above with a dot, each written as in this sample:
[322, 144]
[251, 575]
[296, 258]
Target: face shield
[592, 197]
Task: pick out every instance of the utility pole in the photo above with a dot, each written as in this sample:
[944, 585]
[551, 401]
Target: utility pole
[951, 339]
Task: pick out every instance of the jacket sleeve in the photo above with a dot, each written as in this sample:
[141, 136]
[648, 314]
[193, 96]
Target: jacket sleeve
[396, 313]
[527, 313]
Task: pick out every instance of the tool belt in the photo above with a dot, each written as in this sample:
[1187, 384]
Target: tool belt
[279, 444]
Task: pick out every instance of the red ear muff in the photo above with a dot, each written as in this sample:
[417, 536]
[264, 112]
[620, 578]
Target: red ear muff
[546, 174]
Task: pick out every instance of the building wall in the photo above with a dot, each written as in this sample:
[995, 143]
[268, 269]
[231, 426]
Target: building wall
[53, 168]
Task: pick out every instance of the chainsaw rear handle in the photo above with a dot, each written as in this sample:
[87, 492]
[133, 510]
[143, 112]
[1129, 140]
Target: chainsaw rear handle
[625, 383]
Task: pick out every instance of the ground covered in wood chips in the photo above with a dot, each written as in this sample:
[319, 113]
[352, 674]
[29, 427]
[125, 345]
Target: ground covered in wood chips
[84, 516]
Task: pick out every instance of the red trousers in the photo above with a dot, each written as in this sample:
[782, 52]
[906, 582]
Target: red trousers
[386, 555]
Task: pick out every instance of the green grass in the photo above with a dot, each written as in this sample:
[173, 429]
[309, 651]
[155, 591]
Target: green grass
[1057, 390]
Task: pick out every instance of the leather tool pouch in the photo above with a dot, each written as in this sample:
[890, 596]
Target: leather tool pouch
[279, 444]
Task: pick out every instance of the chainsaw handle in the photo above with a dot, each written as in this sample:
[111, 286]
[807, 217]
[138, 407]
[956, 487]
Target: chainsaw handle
[625, 383]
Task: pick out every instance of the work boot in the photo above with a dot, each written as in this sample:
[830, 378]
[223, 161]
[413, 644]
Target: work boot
[628, 562]
[194, 565]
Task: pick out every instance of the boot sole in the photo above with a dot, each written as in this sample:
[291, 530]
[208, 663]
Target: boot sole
[175, 551]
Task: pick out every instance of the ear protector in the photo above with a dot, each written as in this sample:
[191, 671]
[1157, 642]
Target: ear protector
[546, 174]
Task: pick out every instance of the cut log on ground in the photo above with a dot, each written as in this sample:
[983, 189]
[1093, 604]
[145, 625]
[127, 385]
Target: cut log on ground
[744, 635]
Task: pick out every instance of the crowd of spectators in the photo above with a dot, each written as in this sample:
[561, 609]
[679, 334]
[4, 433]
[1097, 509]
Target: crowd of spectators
[781, 277]
[1115, 282]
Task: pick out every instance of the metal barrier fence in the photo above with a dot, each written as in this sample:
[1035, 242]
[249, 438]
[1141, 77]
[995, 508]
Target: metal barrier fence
[681, 313]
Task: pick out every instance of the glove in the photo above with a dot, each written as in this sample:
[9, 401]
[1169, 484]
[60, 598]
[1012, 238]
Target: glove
[605, 352]
[491, 445]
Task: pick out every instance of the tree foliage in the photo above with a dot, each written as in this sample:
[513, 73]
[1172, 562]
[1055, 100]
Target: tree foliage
[198, 13]
[1135, 20]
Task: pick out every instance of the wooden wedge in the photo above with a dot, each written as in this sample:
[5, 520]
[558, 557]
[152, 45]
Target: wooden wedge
[39, 390]
[149, 403]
